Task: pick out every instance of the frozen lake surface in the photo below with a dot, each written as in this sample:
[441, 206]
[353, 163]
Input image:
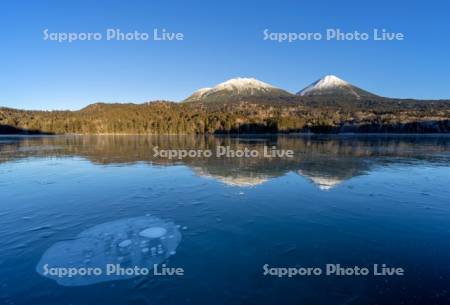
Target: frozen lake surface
[348, 200]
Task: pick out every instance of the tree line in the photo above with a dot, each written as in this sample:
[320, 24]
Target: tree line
[162, 117]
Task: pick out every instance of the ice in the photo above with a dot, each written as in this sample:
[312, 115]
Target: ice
[155, 232]
[125, 243]
[116, 242]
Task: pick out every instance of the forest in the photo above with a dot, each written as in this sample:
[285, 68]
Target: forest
[244, 116]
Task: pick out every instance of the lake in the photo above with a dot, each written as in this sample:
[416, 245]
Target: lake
[348, 200]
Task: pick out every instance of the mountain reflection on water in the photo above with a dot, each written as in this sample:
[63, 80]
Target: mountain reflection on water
[325, 160]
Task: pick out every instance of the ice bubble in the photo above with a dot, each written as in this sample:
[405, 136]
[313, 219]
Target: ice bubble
[154, 232]
[96, 248]
[125, 243]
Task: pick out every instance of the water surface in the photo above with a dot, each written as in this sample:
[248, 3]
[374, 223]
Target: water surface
[351, 200]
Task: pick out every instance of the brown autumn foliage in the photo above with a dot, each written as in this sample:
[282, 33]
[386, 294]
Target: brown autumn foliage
[325, 115]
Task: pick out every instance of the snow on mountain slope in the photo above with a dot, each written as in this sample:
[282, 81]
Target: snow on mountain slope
[238, 88]
[241, 83]
[200, 92]
[333, 85]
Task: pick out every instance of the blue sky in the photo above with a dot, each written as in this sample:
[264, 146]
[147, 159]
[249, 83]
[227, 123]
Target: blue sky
[222, 40]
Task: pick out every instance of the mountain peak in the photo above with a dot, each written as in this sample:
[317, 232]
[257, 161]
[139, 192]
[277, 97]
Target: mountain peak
[325, 83]
[331, 80]
[237, 89]
[243, 82]
[333, 85]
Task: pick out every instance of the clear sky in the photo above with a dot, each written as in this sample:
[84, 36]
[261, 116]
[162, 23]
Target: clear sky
[222, 40]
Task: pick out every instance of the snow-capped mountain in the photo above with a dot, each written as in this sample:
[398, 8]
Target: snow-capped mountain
[239, 88]
[331, 85]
